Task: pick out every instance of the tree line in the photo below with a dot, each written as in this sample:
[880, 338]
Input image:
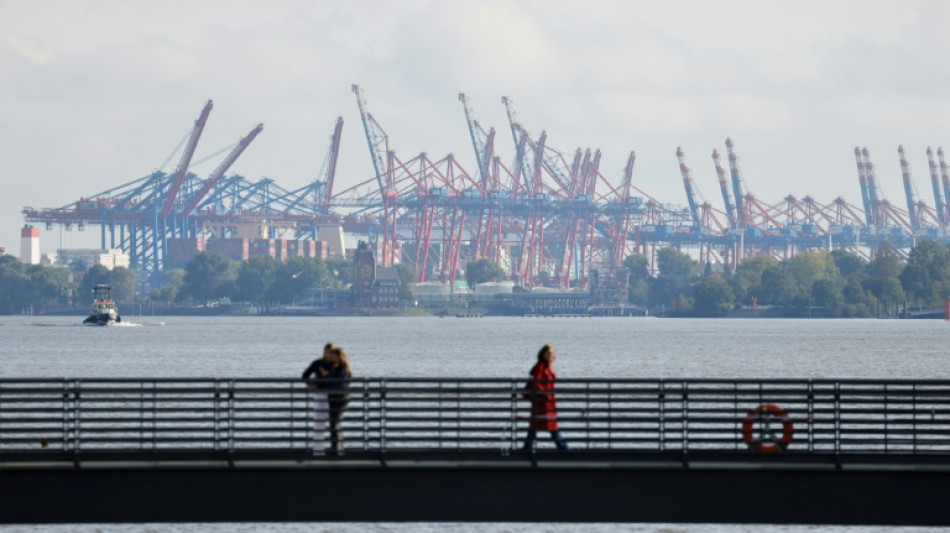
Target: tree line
[814, 283]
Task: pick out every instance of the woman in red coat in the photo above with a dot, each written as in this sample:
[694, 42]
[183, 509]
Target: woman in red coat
[543, 406]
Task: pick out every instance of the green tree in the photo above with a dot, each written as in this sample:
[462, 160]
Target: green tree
[209, 275]
[407, 275]
[96, 275]
[638, 271]
[778, 287]
[295, 275]
[483, 271]
[827, 294]
[849, 264]
[14, 285]
[809, 267]
[255, 277]
[886, 264]
[674, 282]
[927, 274]
[747, 281]
[713, 297]
[172, 281]
[891, 293]
[123, 284]
[341, 271]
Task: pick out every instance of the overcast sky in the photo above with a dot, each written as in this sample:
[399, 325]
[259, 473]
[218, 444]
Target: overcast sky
[94, 94]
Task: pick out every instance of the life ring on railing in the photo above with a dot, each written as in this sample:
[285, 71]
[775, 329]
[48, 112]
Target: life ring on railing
[766, 441]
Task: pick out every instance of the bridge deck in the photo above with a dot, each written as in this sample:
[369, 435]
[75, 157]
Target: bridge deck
[847, 452]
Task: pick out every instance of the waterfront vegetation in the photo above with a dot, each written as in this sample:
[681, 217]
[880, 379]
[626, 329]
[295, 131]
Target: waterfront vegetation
[808, 284]
[812, 283]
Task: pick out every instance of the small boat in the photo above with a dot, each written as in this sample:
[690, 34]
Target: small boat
[103, 312]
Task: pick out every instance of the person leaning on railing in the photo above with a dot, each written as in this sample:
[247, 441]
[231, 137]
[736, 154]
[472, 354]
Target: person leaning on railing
[319, 368]
[540, 392]
[336, 384]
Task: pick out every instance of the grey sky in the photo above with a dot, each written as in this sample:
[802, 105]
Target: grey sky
[97, 93]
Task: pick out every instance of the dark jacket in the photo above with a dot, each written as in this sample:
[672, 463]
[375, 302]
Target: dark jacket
[336, 381]
[317, 364]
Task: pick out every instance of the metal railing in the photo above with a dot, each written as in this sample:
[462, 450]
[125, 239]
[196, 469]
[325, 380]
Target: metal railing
[611, 416]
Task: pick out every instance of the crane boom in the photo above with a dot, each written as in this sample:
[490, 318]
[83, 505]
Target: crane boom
[186, 156]
[908, 188]
[331, 165]
[736, 183]
[688, 185]
[945, 180]
[376, 138]
[935, 182]
[479, 140]
[221, 169]
[865, 193]
[724, 187]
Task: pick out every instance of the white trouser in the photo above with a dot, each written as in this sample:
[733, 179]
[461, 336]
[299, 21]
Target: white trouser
[320, 417]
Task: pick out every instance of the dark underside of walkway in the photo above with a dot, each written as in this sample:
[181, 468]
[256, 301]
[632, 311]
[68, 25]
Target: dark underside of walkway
[545, 487]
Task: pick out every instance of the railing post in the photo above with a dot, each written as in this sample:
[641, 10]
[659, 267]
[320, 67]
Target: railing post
[77, 413]
[230, 418]
[837, 425]
[811, 416]
[382, 416]
[661, 427]
[65, 393]
[217, 415]
[685, 417]
[913, 422]
[610, 416]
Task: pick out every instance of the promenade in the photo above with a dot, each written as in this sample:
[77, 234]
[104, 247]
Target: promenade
[730, 451]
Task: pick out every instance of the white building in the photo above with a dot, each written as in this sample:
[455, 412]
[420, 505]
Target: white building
[107, 258]
[30, 245]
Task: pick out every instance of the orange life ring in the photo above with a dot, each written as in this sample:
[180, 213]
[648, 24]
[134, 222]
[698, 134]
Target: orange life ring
[766, 441]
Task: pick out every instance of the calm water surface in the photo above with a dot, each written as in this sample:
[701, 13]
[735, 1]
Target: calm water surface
[152, 346]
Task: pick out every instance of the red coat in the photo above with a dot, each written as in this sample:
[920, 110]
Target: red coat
[543, 406]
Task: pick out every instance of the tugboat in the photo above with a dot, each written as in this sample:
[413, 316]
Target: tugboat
[103, 312]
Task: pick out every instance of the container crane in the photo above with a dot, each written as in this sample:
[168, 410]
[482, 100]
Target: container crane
[874, 193]
[482, 142]
[945, 180]
[741, 218]
[623, 223]
[865, 192]
[186, 156]
[908, 189]
[220, 170]
[377, 139]
[724, 187]
[334, 155]
[688, 185]
[935, 182]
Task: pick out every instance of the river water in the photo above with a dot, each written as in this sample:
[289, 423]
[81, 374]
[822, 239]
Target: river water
[155, 346]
